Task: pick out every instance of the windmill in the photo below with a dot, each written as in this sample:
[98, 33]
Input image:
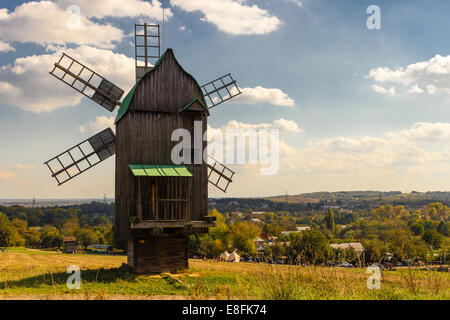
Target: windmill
[158, 203]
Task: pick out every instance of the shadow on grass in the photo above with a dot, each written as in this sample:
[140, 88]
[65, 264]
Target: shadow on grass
[124, 272]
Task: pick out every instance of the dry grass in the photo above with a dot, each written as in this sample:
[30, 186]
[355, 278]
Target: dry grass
[28, 274]
[293, 282]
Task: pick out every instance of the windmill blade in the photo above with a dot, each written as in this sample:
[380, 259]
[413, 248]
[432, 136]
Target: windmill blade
[220, 90]
[87, 82]
[219, 175]
[147, 47]
[83, 156]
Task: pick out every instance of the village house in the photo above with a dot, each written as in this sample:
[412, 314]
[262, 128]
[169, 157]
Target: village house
[358, 247]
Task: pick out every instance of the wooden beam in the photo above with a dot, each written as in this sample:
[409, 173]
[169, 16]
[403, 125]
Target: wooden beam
[171, 224]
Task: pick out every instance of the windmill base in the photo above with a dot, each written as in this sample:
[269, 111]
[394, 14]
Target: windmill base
[159, 253]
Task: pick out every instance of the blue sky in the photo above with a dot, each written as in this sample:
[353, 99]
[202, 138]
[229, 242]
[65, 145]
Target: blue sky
[368, 115]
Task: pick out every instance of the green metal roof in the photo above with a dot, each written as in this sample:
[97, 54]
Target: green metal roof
[143, 170]
[129, 97]
[186, 107]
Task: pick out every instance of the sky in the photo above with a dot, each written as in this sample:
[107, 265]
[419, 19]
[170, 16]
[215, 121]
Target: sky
[357, 108]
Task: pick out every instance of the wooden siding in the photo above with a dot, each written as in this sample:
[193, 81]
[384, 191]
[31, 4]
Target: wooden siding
[143, 136]
[158, 254]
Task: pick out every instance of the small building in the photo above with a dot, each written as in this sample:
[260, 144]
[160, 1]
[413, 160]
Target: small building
[70, 245]
[287, 233]
[260, 244]
[234, 257]
[101, 248]
[237, 214]
[358, 247]
[255, 220]
[224, 256]
[301, 229]
[258, 213]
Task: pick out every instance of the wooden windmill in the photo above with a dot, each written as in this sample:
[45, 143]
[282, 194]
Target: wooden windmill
[158, 203]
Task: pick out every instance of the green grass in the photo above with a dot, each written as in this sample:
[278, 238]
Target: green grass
[26, 274]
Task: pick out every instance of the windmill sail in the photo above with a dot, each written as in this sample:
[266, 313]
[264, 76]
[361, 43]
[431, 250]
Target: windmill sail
[147, 47]
[219, 175]
[83, 156]
[87, 82]
[220, 90]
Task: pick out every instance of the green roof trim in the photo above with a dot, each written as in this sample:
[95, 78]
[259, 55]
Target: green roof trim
[186, 107]
[125, 104]
[129, 97]
[143, 170]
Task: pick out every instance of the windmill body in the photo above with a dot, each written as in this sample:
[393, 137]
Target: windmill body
[164, 202]
[158, 203]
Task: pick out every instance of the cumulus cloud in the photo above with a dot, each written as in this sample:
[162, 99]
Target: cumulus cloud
[45, 22]
[282, 124]
[415, 89]
[434, 75]
[382, 90]
[424, 131]
[5, 47]
[26, 83]
[260, 95]
[98, 125]
[6, 174]
[119, 8]
[287, 125]
[232, 16]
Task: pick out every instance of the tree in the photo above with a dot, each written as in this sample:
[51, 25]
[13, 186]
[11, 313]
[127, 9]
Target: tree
[311, 246]
[86, 236]
[7, 232]
[243, 236]
[51, 238]
[417, 228]
[329, 220]
[433, 238]
[444, 228]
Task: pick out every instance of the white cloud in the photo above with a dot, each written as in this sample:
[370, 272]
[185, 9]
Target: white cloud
[98, 125]
[424, 131]
[45, 22]
[415, 89]
[282, 124]
[287, 125]
[433, 74]
[5, 47]
[342, 144]
[286, 149]
[27, 84]
[382, 90]
[119, 8]
[232, 16]
[259, 95]
[6, 174]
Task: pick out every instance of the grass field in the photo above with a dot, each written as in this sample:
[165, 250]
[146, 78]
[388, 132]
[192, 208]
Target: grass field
[27, 274]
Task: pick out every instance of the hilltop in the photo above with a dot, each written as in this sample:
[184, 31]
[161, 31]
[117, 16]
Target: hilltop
[342, 199]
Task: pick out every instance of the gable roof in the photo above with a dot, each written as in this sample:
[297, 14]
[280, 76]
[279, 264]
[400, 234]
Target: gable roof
[190, 104]
[129, 97]
[358, 247]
